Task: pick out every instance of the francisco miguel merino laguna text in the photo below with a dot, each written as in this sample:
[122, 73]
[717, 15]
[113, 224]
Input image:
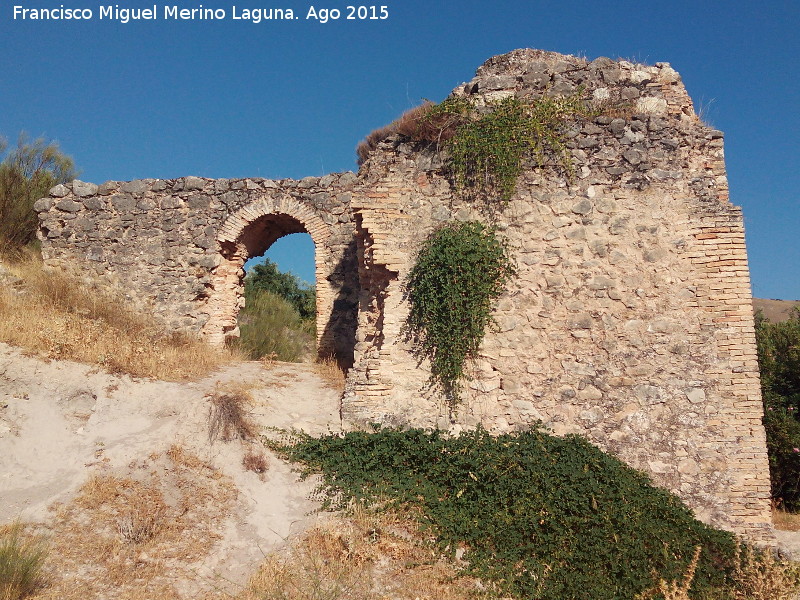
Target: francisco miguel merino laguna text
[176, 13]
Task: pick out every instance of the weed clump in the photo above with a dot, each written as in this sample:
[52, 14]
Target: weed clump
[228, 415]
[538, 516]
[21, 561]
[488, 147]
[256, 462]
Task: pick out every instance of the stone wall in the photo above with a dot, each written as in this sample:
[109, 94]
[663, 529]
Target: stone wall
[177, 247]
[630, 321]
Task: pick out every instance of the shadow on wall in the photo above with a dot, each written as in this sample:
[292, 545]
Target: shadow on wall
[339, 335]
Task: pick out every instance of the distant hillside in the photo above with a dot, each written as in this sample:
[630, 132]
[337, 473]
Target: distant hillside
[775, 310]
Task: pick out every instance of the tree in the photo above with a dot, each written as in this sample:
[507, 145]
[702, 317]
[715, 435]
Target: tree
[779, 365]
[26, 174]
[267, 277]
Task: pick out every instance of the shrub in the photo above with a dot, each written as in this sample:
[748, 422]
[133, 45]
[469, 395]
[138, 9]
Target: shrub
[783, 447]
[779, 356]
[539, 516]
[26, 174]
[266, 277]
[460, 270]
[779, 363]
[271, 325]
[21, 562]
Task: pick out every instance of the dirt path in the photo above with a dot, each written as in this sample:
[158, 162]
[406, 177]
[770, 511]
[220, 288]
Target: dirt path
[62, 422]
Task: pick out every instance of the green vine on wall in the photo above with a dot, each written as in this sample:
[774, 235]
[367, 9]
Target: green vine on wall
[463, 267]
[488, 149]
[460, 270]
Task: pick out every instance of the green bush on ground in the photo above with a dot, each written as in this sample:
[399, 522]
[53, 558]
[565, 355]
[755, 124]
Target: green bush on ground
[779, 363]
[270, 326]
[539, 516]
[26, 174]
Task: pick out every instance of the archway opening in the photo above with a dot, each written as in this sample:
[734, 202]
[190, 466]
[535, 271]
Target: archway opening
[269, 312]
[249, 233]
[279, 315]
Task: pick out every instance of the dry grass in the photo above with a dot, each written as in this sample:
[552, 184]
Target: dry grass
[133, 536]
[331, 372]
[415, 124]
[229, 414]
[760, 575]
[256, 462]
[785, 521]
[676, 590]
[364, 556]
[757, 575]
[52, 314]
[22, 556]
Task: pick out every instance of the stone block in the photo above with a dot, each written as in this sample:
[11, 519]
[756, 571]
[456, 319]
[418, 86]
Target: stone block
[83, 189]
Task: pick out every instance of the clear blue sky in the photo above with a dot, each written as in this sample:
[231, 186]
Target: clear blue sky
[292, 98]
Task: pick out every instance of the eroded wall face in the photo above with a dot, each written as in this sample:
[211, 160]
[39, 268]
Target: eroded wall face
[176, 247]
[630, 321]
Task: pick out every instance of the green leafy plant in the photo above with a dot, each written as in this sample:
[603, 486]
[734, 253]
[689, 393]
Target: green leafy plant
[489, 151]
[537, 516]
[271, 326]
[26, 174]
[778, 347]
[460, 270]
[21, 561]
[488, 148]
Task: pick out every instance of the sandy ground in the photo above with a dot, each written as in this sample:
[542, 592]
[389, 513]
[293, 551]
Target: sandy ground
[61, 422]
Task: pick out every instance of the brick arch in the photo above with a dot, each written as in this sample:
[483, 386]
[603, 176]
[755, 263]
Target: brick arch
[249, 232]
[234, 225]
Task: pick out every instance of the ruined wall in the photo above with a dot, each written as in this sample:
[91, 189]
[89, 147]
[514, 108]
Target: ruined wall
[177, 247]
[630, 321]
